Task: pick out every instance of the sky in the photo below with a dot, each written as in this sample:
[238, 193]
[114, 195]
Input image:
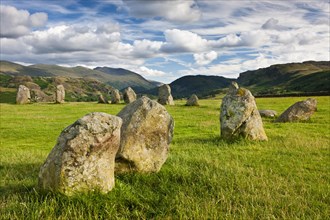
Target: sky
[165, 40]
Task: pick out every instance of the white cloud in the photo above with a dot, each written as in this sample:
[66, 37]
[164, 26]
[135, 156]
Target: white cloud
[205, 58]
[173, 10]
[70, 38]
[15, 23]
[9, 46]
[183, 41]
[145, 71]
[146, 48]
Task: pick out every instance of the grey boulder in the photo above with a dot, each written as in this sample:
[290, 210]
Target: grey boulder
[115, 96]
[102, 100]
[146, 134]
[192, 101]
[83, 158]
[23, 95]
[164, 95]
[59, 94]
[129, 95]
[300, 111]
[239, 115]
[267, 113]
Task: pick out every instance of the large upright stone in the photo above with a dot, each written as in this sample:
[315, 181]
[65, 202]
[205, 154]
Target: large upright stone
[60, 94]
[192, 101]
[300, 111]
[23, 95]
[83, 158]
[115, 96]
[146, 134]
[239, 115]
[129, 95]
[164, 95]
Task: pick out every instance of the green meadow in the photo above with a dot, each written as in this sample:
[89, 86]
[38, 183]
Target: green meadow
[204, 177]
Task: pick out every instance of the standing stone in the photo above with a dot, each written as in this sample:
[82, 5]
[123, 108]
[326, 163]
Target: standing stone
[239, 115]
[267, 113]
[23, 95]
[193, 100]
[101, 99]
[300, 111]
[146, 134]
[60, 94]
[164, 95]
[129, 95]
[115, 96]
[83, 158]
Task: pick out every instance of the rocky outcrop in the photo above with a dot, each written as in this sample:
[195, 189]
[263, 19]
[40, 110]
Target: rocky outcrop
[164, 95]
[83, 158]
[129, 95]
[192, 101]
[23, 95]
[267, 113]
[300, 111]
[239, 115]
[146, 134]
[59, 94]
[115, 96]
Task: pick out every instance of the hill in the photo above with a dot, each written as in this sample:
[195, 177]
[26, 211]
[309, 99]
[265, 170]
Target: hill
[309, 77]
[122, 78]
[306, 77]
[199, 85]
[118, 78]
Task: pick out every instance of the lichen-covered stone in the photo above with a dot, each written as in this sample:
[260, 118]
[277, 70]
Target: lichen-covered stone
[60, 94]
[164, 95]
[267, 113]
[146, 134]
[129, 95]
[192, 101]
[239, 115]
[115, 96]
[300, 111]
[23, 95]
[83, 158]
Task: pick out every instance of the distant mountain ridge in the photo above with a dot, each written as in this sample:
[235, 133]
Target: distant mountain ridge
[122, 78]
[200, 85]
[305, 77]
[310, 77]
[118, 78]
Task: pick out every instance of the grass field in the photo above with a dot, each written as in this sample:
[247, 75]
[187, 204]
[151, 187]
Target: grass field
[205, 177]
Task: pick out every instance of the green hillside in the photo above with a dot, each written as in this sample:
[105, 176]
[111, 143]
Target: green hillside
[309, 77]
[43, 88]
[306, 77]
[118, 78]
